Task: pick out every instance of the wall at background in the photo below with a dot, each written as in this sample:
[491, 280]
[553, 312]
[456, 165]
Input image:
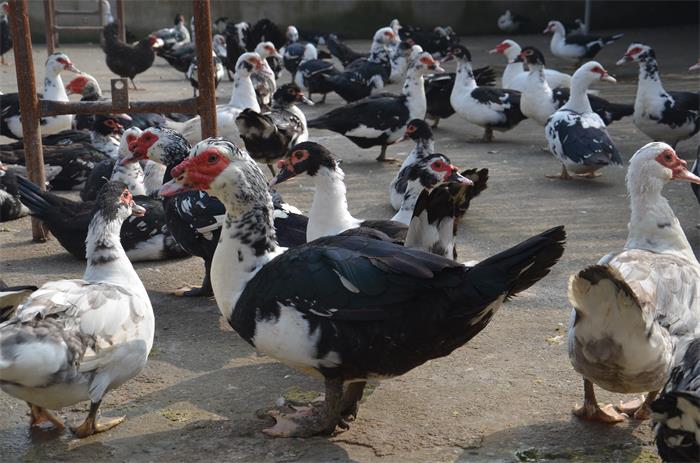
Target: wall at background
[360, 18]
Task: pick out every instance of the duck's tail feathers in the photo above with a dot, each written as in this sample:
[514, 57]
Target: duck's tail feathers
[601, 289]
[526, 263]
[464, 194]
[31, 196]
[612, 38]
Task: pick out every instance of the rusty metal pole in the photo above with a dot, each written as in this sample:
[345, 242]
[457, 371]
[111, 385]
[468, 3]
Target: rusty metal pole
[28, 102]
[120, 20]
[205, 67]
[49, 21]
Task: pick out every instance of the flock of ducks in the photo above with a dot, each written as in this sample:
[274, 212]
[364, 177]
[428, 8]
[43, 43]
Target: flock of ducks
[325, 293]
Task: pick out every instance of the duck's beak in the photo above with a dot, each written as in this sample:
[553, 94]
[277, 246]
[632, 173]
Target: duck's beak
[285, 173]
[138, 211]
[172, 188]
[456, 177]
[685, 175]
[624, 60]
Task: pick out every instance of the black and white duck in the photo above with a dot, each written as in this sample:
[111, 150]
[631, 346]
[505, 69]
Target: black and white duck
[635, 311]
[515, 75]
[577, 47]
[192, 73]
[405, 188]
[577, 136]
[264, 79]
[174, 37]
[661, 115]
[329, 214]
[379, 120]
[242, 96]
[488, 107]
[538, 101]
[75, 340]
[268, 136]
[195, 218]
[144, 238]
[10, 117]
[354, 307]
[312, 73]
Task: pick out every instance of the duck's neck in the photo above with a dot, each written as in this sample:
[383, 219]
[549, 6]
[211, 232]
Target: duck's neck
[413, 191]
[414, 90]
[132, 175]
[649, 79]
[536, 82]
[465, 78]
[578, 99]
[653, 225]
[248, 242]
[106, 259]
[329, 214]
[557, 39]
[53, 87]
[243, 95]
[304, 135]
[378, 54]
[105, 144]
[511, 71]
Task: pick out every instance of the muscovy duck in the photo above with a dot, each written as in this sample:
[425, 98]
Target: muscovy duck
[174, 37]
[11, 119]
[192, 73]
[242, 97]
[364, 308]
[329, 214]
[409, 182]
[662, 116]
[438, 90]
[538, 101]
[268, 136]
[576, 135]
[576, 48]
[144, 238]
[74, 340]
[76, 160]
[265, 31]
[381, 119]
[5, 36]
[400, 58]
[509, 22]
[195, 218]
[488, 107]
[181, 57]
[264, 79]
[312, 73]
[514, 75]
[218, 44]
[640, 302]
[87, 87]
[127, 60]
[676, 413]
[577, 28]
[11, 208]
[378, 62]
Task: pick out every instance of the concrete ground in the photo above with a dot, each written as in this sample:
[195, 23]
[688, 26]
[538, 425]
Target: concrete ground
[506, 396]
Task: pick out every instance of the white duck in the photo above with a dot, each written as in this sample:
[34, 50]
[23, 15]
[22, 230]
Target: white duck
[242, 97]
[11, 119]
[75, 340]
[663, 116]
[264, 79]
[577, 47]
[577, 136]
[514, 74]
[636, 310]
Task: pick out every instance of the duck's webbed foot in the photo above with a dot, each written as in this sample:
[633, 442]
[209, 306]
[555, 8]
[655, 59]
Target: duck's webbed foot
[563, 176]
[639, 409]
[40, 415]
[591, 411]
[90, 426]
[320, 418]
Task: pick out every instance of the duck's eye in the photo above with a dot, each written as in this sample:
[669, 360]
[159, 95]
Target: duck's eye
[667, 157]
[213, 158]
[438, 165]
[298, 154]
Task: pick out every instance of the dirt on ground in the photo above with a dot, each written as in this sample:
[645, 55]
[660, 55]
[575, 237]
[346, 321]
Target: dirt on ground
[505, 396]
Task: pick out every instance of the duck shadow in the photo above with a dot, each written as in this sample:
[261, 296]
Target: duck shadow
[572, 440]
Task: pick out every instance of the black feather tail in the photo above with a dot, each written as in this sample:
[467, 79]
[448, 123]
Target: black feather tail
[526, 263]
[31, 196]
[612, 38]
[485, 77]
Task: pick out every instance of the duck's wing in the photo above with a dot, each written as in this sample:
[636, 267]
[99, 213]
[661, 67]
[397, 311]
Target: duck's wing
[69, 326]
[668, 285]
